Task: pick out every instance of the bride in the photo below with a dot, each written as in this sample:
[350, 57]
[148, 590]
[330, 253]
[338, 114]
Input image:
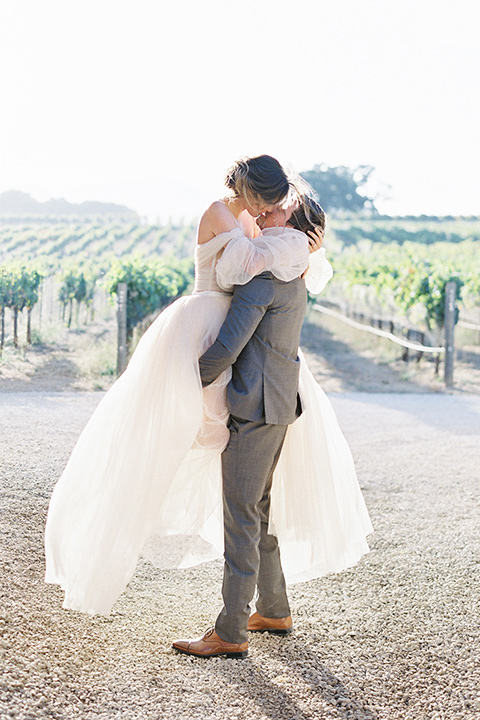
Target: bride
[144, 477]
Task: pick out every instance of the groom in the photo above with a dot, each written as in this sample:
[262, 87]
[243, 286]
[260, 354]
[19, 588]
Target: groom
[260, 339]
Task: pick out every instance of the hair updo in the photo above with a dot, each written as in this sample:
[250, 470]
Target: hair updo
[258, 180]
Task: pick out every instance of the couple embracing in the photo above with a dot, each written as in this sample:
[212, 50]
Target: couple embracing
[256, 453]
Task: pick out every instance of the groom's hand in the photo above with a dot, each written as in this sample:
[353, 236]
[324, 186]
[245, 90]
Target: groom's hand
[315, 238]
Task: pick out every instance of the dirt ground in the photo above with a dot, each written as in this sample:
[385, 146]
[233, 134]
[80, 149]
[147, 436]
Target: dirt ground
[393, 638]
[76, 359]
[396, 637]
[342, 359]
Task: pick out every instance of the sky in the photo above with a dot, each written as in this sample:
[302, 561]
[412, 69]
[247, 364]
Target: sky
[146, 102]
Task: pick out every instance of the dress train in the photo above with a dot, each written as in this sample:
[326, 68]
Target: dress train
[145, 475]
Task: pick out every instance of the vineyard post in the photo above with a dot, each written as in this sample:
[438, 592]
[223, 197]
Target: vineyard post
[2, 327]
[450, 296]
[122, 327]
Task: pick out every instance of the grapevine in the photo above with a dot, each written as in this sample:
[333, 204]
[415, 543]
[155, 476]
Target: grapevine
[150, 285]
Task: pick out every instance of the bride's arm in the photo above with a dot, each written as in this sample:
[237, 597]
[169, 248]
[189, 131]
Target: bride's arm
[283, 251]
[319, 272]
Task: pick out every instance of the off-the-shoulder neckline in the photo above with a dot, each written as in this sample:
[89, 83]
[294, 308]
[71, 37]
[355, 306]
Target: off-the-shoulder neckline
[225, 232]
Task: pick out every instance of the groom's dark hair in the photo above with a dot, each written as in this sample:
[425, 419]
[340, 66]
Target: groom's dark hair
[308, 215]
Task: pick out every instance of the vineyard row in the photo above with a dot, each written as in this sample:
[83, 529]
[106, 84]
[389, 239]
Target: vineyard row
[151, 285]
[404, 278]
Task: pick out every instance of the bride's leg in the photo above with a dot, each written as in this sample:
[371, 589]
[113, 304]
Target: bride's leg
[213, 432]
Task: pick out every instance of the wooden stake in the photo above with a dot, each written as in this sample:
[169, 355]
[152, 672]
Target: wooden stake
[450, 297]
[122, 327]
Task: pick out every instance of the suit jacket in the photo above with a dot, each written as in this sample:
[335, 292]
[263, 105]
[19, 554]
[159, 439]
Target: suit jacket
[260, 338]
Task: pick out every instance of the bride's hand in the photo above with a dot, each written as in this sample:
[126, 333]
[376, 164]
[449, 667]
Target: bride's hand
[315, 238]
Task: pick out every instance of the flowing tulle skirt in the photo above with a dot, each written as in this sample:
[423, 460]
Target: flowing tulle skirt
[113, 491]
[318, 511]
[145, 475]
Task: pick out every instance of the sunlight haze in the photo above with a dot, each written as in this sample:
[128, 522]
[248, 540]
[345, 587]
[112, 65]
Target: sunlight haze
[147, 103]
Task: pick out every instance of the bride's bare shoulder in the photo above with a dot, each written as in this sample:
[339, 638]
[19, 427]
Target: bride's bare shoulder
[216, 219]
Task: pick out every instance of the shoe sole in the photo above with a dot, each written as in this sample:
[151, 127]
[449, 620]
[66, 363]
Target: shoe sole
[273, 631]
[229, 655]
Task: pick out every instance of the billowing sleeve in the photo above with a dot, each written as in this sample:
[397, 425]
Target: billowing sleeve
[319, 272]
[283, 252]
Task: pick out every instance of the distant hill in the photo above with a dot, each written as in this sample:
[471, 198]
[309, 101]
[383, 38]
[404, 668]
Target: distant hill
[14, 203]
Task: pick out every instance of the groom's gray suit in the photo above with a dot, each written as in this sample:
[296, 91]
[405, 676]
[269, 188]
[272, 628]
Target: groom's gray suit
[259, 338]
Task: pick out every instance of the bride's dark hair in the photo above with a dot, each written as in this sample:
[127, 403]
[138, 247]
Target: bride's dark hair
[258, 179]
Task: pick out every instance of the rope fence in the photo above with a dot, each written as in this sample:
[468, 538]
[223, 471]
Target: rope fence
[446, 350]
[376, 331]
[468, 325]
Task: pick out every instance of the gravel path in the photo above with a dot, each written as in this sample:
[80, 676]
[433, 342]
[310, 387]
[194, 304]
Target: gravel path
[395, 637]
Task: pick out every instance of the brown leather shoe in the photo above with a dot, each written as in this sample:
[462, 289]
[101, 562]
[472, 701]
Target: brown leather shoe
[211, 645]
[275, 626]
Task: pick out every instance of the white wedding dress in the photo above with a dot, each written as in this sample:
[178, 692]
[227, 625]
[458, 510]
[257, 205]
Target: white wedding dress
[145, 476]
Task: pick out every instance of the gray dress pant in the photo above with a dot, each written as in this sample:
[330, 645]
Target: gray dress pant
[252, 557]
